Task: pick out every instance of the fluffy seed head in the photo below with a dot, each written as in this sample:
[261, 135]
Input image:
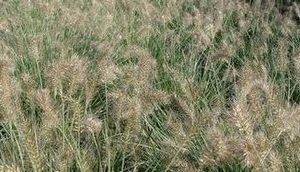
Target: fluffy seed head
[92, 125]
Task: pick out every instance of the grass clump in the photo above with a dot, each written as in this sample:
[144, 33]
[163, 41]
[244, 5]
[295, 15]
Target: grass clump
[149, 85]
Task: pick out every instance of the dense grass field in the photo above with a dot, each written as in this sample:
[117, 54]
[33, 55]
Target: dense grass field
[149, 85]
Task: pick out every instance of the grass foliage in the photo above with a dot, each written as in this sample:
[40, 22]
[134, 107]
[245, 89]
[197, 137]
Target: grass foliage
[149, 85]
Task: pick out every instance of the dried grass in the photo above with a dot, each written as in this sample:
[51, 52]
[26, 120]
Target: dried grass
[180, 85]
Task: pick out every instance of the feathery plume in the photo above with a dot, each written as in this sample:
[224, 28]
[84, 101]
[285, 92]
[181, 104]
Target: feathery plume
[34, 48]
[296, 61]
[64, 157]
[108, 70]
[30, 145]
[70, 73]
[242, 120]
[49, 117]
[282, 59]
[92, 125]
[275, 162]
[9, 91]
[84, 162]
[78, 113]
[145, 69]
[221, 148]
[9, 168]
